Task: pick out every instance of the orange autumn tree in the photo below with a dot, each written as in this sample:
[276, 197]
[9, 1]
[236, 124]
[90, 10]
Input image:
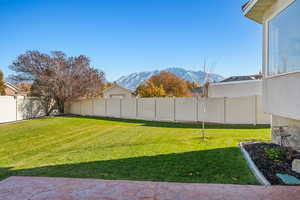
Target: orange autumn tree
[164, 84]
[150, 90]
[26, 87]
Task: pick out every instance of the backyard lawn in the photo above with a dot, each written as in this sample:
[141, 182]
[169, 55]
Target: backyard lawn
[107, 148]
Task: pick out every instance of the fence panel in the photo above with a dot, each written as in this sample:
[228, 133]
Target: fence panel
[185, 109]
[146, 108]
[19, 108]
[113, 107]
[87, 107]
[36, 108]
[211, 110]
[128, 108]
[240, 110]
[75, 107]
[261, 117]
[99, 107]
[165, 110]
[8, 109]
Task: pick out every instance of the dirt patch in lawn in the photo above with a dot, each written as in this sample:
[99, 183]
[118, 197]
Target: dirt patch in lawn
[271, 159]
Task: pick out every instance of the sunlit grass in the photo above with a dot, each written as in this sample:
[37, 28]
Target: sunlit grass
[125, 149]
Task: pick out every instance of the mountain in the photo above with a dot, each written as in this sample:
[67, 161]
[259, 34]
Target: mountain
[133, 80]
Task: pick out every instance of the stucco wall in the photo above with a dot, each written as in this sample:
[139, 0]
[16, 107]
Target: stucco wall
[281, 92]
[282, 95]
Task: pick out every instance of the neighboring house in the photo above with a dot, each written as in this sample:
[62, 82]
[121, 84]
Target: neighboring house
[281, 63]
[117, 91]
[235, 89]
[242, 78]
[12, 90]
[237, 78]
[198, 91]
[237, 86]
[234, 86]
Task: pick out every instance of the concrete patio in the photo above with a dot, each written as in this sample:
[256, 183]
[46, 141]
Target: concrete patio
[40, 188]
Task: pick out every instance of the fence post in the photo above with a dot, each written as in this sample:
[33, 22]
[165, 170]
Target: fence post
[79, 107]
[16, 108]
[105, 107]
[174, 102]
[120, 107]
[31, 109]
[197, 109]
[93, 107]
[155, 107]
[225, 110]
[136, 107]
[254, 110]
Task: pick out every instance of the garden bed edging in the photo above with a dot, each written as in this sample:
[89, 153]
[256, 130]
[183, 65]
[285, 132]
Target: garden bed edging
[256, 172]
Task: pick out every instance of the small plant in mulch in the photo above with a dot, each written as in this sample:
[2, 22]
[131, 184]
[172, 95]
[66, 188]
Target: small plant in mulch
[272, 159]
[275, 154]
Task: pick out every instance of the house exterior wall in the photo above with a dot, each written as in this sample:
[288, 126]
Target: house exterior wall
[280, 92]
[9, 92]
[117, 92]
[235, 89]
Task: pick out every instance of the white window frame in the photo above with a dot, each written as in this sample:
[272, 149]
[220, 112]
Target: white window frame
[266, 52]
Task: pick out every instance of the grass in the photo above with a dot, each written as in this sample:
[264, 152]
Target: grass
[86, 147]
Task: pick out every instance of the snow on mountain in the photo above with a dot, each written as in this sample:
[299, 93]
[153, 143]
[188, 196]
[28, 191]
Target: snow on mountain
[133, 80]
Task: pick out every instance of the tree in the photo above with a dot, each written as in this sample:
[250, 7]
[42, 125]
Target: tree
[192, 85]
[164, 84]
[151, 90]
[26, 87]
[2, 86]
[57, 78]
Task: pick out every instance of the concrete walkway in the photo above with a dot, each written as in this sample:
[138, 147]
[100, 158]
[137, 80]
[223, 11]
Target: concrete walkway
[37, 188]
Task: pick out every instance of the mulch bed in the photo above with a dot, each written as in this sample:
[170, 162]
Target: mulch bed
[270, 167]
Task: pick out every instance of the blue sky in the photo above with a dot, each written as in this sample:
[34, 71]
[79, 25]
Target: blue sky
[125, 36]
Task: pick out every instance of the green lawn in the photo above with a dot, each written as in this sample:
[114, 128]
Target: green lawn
[125, 149]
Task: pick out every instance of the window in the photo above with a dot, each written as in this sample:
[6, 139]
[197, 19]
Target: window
[284, 41]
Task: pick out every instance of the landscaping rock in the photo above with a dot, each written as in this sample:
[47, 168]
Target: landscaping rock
[296, 165]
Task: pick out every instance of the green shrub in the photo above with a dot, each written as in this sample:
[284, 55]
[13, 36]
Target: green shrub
[275, 153]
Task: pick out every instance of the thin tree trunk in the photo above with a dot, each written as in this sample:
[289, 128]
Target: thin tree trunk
[61, 106]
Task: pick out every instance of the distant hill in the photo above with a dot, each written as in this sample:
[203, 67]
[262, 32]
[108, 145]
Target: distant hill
[132, 81]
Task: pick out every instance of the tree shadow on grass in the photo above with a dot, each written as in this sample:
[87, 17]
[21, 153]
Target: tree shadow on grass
[224, 165]
[175, 124]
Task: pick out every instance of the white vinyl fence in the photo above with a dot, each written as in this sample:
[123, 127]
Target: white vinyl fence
[241, 110]
[19, 108]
